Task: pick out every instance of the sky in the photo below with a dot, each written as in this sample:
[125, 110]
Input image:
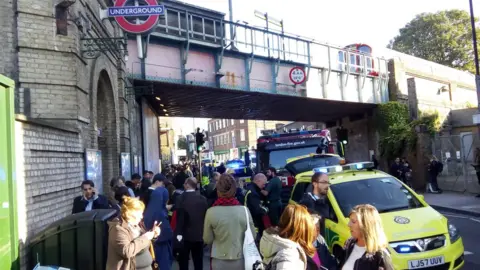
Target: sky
[339, 22]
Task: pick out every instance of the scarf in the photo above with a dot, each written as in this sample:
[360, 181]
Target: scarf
[226, 202]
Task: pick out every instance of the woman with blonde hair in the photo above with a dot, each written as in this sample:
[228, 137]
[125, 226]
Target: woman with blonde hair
[287, 246]
[128, 244]
[367, 248]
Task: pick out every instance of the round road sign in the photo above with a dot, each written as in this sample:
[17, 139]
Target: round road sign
[297, 75]
[134, 28]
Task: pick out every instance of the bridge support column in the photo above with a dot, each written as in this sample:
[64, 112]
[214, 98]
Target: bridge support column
[247, 74]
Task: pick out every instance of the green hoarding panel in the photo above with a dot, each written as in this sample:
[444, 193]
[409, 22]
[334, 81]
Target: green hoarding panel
[8, 213]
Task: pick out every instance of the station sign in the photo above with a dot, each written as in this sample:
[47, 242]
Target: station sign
[297, 75]
[120, 12]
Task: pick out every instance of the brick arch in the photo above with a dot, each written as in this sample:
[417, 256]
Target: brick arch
[105, 117]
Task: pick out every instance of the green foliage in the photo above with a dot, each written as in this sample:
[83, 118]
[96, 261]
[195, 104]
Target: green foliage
[444, 37]
[397, 132]
[430, 120]
[182, 143]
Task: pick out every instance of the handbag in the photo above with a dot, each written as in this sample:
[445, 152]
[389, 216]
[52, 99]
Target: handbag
[250, 252]
[154, 262]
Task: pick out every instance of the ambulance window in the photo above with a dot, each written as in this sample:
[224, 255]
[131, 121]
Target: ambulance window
[298, 191]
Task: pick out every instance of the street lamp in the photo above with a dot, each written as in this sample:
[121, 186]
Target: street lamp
[476, 118]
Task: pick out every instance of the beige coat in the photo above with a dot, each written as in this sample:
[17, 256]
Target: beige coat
[281, 253]
[122, 248]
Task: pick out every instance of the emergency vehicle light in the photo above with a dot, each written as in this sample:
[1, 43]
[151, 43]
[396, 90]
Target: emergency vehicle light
[348, 167]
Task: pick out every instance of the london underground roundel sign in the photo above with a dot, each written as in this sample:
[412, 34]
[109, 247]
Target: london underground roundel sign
[120, 12]
[297, 75]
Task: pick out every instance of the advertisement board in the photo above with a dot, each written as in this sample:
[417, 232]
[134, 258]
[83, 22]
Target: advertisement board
[125, 165]
[93, 168]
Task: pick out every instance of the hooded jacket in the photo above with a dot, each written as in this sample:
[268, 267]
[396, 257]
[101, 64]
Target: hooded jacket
[280, 253]
[156, 210]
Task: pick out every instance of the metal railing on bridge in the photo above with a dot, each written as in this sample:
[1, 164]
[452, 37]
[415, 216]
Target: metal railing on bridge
[182, 25]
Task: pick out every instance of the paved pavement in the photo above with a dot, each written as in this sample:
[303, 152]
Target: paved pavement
[462, 203]
[470, 233]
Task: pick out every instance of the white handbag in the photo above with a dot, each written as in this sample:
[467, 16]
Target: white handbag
[250, 251]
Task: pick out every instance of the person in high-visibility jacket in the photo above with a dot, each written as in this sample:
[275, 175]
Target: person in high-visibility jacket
[254, 201]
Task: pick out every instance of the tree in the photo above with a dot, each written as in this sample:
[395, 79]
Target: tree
[182, 143]
[444, 37]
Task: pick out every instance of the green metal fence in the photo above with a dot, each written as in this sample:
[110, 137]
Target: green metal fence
[8, 212]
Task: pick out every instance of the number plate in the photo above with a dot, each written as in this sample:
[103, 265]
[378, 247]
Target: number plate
[422, 263]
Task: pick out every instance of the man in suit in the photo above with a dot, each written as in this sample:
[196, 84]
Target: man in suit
[191, 207]
[89, 200]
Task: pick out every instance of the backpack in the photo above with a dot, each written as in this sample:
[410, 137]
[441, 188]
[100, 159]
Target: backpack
[439, 167]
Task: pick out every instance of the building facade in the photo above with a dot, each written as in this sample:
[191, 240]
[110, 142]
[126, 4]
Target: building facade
[73, 111]
[230, 138]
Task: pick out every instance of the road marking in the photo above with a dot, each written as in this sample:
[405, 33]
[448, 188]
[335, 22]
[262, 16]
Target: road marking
[456, 216]
[476, 220]
[467, 253]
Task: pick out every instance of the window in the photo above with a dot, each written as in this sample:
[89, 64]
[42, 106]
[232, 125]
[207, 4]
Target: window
[242, 135]
[216, 125]
[242, 121]
[223, 123]
[233, 136]
[278, 158]
[309, 163]
[61, 16]
[299, 190]
[232, 122]
[210, 127]
[387, 194]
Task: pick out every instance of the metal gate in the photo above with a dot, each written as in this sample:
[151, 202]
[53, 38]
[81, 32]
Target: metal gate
[456, 152]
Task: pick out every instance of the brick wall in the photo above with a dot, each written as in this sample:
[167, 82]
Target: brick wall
[7, 40]
[49, 168]
[63, 100]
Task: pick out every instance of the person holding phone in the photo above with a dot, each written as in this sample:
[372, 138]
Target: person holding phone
[89, 200]
[129, 244]
[157, 211]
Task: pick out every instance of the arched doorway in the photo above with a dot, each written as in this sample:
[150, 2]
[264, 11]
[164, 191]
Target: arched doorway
[106, 127]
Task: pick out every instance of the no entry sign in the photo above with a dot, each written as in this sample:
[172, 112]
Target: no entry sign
[119, 11]
[297, 75]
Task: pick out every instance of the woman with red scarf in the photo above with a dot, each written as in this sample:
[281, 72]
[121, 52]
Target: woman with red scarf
[225, 226]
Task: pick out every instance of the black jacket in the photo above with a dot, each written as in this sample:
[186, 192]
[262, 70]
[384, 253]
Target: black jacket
[79, 204]
[327, 259]
[319, 206]
[366, 262]
[191, 211]
[254, 201]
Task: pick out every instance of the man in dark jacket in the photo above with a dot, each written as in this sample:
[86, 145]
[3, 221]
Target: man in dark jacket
[272, 192]
[191, 209]
[89, 200]
[254, 200]
[316, 200]
[157, 211]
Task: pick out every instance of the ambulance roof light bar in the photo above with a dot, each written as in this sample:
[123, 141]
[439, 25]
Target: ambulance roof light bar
[358, 166]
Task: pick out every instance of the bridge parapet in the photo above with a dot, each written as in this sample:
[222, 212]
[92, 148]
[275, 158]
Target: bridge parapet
[194, 48]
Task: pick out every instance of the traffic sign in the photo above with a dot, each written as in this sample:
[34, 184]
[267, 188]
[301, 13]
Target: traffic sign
[297, 75]
[120, 12]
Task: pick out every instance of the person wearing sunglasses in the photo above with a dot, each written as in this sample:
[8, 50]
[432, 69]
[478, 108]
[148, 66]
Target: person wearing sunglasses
[89, 200]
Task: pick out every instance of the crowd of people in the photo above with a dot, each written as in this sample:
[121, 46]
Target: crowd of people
[172, 216]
